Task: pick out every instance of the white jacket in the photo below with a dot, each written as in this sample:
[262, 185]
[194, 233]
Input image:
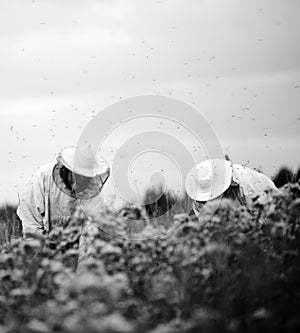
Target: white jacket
[253, 184]
[43, 203]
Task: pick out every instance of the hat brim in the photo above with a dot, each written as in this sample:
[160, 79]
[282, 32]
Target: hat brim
[221, 180]
[67, 157]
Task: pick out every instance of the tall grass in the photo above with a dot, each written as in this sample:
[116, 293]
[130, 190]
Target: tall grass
[10, 225]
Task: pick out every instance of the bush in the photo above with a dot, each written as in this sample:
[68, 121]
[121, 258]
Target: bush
[232, 271]
[285, 175]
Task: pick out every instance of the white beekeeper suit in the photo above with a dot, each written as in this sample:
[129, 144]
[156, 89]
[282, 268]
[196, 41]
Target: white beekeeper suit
[215, 178]
[48, 199]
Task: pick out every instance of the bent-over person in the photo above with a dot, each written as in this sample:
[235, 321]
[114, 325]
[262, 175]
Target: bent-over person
[220, 178]
[55, 192]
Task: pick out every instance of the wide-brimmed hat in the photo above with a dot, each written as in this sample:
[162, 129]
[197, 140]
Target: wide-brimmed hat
[208, 179]
[82, 161]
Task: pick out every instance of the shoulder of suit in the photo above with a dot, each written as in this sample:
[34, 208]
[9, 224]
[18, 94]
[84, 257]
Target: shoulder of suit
[244, 170]
[248, 174]
[240, 171]
[45, 170]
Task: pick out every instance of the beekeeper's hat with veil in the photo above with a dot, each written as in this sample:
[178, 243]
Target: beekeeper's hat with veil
[83, 161]
[208, 179]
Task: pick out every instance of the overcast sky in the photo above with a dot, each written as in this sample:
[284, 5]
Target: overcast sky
[237, 62]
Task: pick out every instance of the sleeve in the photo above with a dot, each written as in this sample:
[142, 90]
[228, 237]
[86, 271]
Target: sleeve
[258, 187]
[31, 209]
[265, 188]
[88, 233]
[197, 207]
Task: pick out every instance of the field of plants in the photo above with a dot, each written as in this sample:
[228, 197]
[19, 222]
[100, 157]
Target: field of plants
[239, 272]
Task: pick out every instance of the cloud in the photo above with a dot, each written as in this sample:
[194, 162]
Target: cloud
[72, 48]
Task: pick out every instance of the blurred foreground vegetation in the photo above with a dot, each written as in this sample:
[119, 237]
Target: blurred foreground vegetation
[235, 273]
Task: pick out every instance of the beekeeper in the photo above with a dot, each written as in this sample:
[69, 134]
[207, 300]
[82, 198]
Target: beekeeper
[220, 178]
[57, 189]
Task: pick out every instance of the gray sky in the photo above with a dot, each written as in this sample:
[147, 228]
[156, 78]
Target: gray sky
[237, 62]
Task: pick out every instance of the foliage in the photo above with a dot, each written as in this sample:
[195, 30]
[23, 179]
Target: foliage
[231, 270]
[285, 175]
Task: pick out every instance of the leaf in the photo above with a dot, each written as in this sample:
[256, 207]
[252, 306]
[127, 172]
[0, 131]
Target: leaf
[38, 326]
